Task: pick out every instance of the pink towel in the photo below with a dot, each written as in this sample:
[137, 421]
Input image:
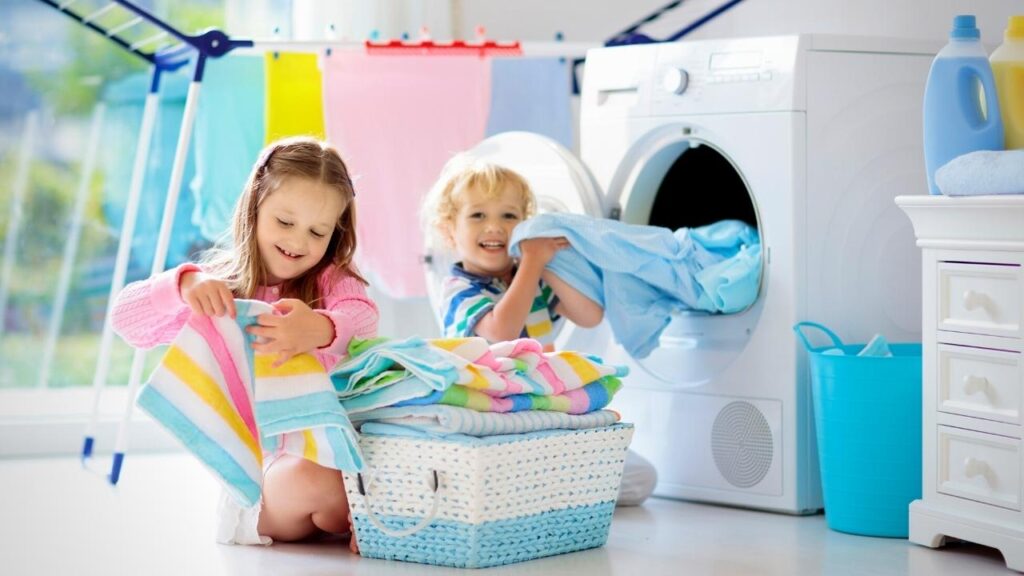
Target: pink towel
[396, 121]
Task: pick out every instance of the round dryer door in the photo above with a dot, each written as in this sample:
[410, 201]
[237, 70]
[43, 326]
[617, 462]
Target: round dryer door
[558, 179]
[680, 176]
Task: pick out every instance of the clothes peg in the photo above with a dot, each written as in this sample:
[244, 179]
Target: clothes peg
[424, 34]
[330, 36]
[559, 38]
[374, 35]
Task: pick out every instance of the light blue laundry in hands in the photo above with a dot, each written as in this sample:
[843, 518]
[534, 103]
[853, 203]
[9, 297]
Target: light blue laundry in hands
[641, 275]
[981, 173]
[878, 346]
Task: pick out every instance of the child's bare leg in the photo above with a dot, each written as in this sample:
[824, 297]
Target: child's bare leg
[300, 498]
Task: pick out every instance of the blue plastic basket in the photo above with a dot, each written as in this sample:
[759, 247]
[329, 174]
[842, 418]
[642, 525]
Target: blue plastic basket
[867, 411]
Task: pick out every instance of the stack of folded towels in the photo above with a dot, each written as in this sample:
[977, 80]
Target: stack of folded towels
[466, 386]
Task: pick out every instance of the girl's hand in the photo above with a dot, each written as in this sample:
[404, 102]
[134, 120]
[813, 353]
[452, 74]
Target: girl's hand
[542, 250]
[297, 330]
[206, 295]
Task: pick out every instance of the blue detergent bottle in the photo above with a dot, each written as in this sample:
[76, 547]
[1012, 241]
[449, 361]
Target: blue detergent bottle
[961, 109]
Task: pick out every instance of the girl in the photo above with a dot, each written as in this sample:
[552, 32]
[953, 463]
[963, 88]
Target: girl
[293, 239]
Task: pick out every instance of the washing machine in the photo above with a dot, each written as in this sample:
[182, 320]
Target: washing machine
[808, 138]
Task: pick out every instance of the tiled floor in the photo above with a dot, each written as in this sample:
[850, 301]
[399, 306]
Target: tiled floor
[56, 518]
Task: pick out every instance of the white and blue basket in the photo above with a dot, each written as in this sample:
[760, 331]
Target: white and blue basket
[478, 502]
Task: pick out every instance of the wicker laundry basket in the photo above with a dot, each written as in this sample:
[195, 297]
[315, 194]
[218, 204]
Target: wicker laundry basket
[478, 502]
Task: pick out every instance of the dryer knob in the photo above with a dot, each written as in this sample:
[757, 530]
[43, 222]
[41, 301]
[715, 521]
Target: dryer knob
[675, 80]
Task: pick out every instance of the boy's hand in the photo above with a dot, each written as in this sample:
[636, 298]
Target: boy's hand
[542, 250]
[205, 295]
[298, 330]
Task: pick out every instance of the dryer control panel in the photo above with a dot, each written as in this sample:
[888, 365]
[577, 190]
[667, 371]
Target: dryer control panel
[695, 77]
[736, 75]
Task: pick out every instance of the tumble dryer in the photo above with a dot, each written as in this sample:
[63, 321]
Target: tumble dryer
[808, 138]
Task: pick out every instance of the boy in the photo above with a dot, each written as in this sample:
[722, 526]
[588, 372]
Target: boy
[474, 206]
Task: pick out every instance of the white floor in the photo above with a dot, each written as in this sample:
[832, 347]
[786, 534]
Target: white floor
[56, 518]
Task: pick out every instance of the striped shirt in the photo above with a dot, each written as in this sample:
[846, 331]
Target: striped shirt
[468, 297]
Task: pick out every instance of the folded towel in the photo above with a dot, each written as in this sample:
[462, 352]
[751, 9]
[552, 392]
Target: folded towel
[230, 407]
[591, 397]
[982, 172]
[441, 421]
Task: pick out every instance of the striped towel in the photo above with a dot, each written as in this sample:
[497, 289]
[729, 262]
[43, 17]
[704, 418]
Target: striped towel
[594, 396]
[444, 420]
[503, 377]
[231, 407]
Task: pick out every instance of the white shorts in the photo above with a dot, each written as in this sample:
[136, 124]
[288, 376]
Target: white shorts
[237, 524]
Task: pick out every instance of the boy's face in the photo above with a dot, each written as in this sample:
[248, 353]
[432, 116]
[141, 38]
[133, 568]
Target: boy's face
[481, 230]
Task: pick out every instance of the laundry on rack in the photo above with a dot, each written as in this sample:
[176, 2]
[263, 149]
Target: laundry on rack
[125, 99]
[641, 275]
[982, 172]
[229, 134]
[294, 92]
[231, 407]
[531, 95]
[396, 120]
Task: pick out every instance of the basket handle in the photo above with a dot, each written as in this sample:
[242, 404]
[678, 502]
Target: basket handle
[807, 343]
[408, 531]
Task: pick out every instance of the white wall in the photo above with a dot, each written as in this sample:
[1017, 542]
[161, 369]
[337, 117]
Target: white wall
[596, 20]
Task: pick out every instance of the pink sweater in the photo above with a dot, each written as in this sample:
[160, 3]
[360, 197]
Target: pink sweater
[151, 312]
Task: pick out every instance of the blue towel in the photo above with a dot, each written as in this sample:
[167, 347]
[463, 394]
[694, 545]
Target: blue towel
[125, 99]
[228, 138]
[640, 275]
[981, 173]
[531, 94]
[440, 421]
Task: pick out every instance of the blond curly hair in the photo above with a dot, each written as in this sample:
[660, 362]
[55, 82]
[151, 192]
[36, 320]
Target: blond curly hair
[465, 172]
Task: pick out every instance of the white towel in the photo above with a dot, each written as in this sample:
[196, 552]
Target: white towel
[983, 172]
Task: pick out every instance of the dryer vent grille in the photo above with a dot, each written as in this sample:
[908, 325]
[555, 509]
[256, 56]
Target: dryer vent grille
[741, 442]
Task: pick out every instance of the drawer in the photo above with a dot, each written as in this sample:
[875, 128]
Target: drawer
[980, 298]
[980, 383]
[977, 466]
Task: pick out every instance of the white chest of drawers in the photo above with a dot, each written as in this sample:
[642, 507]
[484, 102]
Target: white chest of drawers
[973, 372]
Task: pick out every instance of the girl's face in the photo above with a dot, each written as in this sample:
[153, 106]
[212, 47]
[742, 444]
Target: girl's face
[294, 225]
[482, 228]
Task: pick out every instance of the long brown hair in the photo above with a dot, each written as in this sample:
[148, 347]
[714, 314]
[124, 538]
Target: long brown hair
[236, 259]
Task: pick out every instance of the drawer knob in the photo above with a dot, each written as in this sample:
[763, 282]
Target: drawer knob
[974, 467]
[973, 300]
[974, 384]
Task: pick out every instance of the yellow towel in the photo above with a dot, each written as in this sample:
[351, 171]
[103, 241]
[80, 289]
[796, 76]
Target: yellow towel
[295, 101]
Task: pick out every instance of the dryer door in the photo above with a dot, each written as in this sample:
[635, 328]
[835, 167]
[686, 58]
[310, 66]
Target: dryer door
[682, 175]
[560, 182]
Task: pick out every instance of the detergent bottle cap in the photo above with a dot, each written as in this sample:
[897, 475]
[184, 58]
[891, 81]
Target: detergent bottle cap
[964, 28]
[1015, 28]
